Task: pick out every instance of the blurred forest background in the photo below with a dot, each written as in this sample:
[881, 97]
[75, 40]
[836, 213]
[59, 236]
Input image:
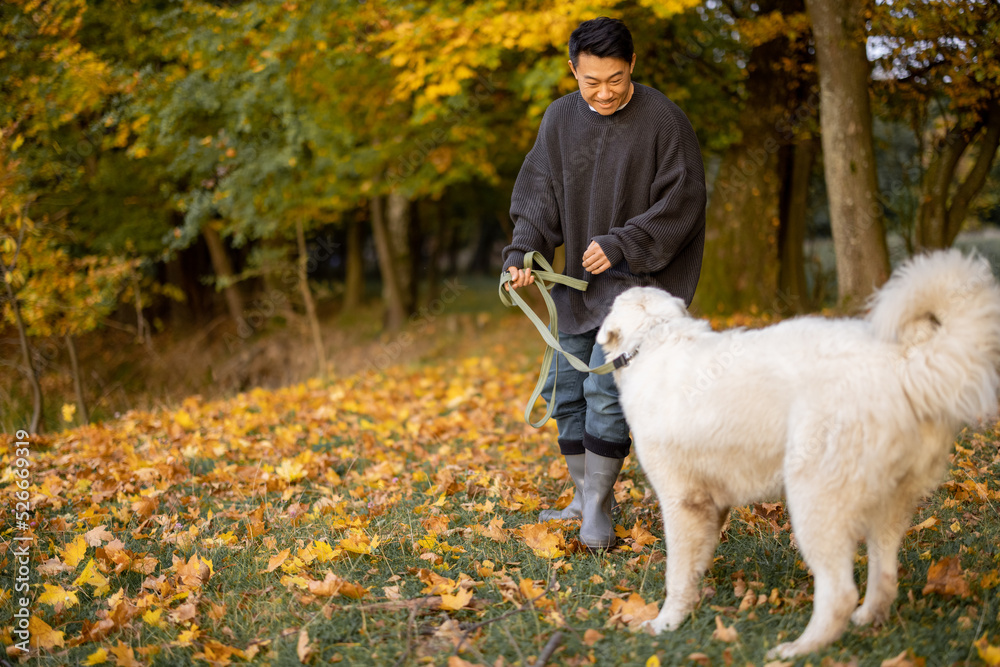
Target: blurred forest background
[206, 196]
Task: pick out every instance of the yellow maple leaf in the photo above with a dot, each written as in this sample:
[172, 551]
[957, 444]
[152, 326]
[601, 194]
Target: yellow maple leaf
[188, 637]
[153, 618]
[290, 470]
[183, 419]
[124, 656]
[98, 657]
[92, 576]
[988, 653]
[459, 600]
[544, 542]
[56, 596]
[642, 536]
[357, 542]
[321, 551]
[42, 634]
[68, 412]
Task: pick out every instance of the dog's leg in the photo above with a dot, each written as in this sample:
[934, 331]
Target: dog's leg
[692, 526]
[828, 548]
[883, 540]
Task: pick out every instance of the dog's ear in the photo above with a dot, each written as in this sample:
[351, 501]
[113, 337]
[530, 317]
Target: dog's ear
[622, 323]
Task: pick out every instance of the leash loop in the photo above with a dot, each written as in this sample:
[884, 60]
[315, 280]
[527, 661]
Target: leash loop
[545, 280]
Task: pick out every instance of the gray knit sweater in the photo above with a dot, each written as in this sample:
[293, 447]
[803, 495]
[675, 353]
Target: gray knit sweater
[632, 181]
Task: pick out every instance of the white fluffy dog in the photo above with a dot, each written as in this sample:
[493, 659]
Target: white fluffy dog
[851, 419]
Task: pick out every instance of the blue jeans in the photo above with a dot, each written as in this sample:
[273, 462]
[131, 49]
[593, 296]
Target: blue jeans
[586, 407]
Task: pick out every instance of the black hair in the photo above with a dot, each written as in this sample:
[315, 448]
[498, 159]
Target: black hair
[602, 37]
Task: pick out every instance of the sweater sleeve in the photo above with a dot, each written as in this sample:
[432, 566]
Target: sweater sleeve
[533, 208]
[649, 241]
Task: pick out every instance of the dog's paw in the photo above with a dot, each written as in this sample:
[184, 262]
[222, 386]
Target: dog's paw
[864, 615]
[666, 620]
[786, 650]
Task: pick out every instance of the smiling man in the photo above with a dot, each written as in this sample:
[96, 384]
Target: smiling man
[616, 177]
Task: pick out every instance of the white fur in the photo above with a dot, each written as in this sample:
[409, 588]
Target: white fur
[851, 419]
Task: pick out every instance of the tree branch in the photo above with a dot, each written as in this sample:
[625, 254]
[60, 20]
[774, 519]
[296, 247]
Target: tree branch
[976, 178]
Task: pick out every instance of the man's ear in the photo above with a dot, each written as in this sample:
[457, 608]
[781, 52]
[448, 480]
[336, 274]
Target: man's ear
[632, 66]
[573, 69]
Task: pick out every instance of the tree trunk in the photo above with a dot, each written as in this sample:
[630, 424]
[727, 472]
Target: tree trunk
[74, 365]
[398, 222]
[224, 269]
[742, 267]
[939, 220]
[22, 333]
[317, 334]
[793, 292]
[395, 312]
[29, 366]
[848, 151]
[354, 281]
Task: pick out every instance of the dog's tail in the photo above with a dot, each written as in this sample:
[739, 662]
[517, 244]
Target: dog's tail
[943, 309]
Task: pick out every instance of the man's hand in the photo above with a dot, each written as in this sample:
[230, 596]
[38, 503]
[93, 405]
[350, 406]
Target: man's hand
[519, 278]
[594, 260]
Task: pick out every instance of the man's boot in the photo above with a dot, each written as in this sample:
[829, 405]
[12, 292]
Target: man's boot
[576, 464]
[597, 529]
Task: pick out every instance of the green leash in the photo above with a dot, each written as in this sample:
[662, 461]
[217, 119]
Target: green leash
[546, 279]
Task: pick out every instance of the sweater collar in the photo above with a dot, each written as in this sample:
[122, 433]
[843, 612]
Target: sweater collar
[591, 116]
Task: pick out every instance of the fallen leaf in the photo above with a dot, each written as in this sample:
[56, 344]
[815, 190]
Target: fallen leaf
[304, 649]
[457, 601]
[592, 636]
[945, 577]
[124, 656]
[43, 635]
[633, 611]
[988, 653]
[98, 657]
[74, 552]
[275, 561]
[904, 659]
[92, 576]
[544, 542]
[57, 597]
[723, 633]
[97, 536]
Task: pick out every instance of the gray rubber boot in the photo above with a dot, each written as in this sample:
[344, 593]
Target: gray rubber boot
[597, 528]
[576, 464]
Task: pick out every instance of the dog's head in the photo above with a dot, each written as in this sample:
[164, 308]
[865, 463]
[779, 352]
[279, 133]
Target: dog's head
[633, 314]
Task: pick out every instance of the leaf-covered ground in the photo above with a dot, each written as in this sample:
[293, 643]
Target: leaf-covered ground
[391, 518]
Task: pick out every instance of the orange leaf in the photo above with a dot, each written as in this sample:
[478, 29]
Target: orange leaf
[544, 542]
[722, 633]
[633, 611]
[275, 561]
[945, 577]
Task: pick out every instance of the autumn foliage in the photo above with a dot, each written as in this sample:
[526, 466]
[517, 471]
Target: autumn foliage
[160, 535]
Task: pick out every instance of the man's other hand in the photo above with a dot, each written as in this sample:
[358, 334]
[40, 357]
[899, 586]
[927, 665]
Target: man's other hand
[594, 260]
[519, 278]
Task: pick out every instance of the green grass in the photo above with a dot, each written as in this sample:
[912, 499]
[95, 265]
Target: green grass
[397, 451]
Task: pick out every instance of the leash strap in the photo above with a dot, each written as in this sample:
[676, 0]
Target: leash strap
[545, 280]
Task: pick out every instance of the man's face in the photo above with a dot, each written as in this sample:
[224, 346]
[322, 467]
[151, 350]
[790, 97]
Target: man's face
[605, 83]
